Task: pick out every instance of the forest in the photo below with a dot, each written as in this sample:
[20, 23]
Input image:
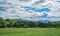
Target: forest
[18, 23]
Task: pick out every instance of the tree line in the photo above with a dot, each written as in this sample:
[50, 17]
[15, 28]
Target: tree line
[13, 23]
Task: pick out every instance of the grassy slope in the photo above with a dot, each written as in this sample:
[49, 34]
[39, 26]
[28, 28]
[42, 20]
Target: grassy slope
[29, 31]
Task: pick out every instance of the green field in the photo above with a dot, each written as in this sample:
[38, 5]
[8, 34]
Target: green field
[29, 31]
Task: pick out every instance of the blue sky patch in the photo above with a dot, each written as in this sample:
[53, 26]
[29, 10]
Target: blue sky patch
[35, 9]
[2, 9]
[42, 10]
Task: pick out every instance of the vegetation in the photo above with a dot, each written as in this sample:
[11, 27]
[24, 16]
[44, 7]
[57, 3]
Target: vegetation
[11, 23]
[29, 31]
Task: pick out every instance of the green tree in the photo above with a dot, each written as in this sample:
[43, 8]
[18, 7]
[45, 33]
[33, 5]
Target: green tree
[2, 24]
[10, 23]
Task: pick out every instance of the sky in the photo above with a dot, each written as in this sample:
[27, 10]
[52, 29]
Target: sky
[33, 10]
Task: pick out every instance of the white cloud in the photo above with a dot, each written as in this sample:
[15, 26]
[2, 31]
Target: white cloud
[18, 12]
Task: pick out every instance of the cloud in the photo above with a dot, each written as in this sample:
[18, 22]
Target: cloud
[33, 10]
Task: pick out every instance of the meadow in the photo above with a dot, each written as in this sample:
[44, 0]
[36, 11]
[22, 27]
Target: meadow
[29, 31]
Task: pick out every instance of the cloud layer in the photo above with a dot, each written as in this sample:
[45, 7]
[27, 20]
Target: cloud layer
[33, 10]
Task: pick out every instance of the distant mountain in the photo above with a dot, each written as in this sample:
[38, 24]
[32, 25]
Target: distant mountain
[43, 21]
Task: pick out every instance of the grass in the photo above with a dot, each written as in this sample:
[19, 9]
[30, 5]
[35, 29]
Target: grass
[29, 31]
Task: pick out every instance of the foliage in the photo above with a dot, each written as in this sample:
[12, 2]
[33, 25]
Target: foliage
[14, 23]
